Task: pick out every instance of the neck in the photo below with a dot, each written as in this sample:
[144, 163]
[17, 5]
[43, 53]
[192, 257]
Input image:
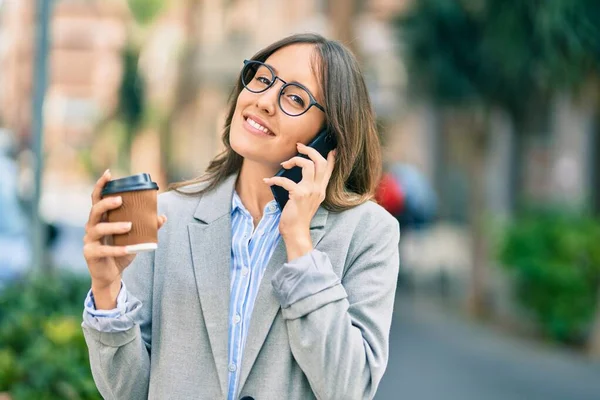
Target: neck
[254, 193]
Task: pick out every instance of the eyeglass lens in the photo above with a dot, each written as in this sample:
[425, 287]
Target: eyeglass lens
[293, 99]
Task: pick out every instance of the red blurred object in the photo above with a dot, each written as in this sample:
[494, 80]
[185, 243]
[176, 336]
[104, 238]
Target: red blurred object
[389, 195]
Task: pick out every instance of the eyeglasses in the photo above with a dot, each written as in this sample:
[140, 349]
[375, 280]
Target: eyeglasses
[294, 99]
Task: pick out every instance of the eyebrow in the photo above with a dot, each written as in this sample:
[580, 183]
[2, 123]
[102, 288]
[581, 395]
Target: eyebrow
[274, 69]
[299, 83]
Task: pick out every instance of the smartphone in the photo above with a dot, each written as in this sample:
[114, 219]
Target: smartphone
[323, 143]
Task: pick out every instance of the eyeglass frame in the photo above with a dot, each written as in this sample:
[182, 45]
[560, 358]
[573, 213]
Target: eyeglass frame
[313, 101]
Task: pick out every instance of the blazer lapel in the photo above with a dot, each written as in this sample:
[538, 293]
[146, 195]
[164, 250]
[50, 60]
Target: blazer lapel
[267, 306]
[210, 241]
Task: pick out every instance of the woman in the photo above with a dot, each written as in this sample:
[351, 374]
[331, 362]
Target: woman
[242, 299]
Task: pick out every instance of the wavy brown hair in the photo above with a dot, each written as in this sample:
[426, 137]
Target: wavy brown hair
[348, 116]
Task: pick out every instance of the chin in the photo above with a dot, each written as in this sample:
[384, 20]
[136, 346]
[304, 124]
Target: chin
[248, 150]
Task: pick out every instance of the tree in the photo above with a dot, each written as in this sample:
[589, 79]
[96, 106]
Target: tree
[478, 55]
[131, 112]
[187, 85]
[591, 50]
[131, 107]
[442, 40]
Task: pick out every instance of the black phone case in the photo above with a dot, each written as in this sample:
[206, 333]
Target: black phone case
[323, 143]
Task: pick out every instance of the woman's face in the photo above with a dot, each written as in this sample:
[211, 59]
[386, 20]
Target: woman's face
[292, 64]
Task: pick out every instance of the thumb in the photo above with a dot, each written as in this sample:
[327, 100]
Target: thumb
[162, 220]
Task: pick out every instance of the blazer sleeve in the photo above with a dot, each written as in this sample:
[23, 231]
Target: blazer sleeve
[120, 360]
[339, 335]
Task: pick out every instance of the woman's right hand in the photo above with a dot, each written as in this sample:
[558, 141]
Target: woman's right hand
[106, 262]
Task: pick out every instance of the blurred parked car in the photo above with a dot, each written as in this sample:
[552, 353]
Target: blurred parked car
[406, 193]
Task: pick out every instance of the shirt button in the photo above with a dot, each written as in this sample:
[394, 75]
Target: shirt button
[244, 271]
[232, 367]
[272, 207]
[237, 319]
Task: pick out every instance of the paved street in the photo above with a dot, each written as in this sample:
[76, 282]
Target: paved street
[437, 355]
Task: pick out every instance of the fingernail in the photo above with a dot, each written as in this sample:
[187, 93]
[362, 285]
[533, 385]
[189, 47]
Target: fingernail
[118, 199]
[265, 179]
[128, 225]
[106, 172]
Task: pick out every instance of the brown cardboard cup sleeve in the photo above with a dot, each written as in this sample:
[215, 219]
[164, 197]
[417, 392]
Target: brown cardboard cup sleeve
[139, 207]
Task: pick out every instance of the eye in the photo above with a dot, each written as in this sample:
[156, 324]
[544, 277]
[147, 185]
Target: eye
[263, 80]
[297, 99]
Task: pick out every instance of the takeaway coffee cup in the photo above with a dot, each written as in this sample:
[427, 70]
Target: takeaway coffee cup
[139, 206]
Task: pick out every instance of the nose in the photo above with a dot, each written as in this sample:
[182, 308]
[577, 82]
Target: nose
[267, 100]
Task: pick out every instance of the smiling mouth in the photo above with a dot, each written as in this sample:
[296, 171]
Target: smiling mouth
[258, 126]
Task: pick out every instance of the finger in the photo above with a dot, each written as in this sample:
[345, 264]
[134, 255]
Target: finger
[102, 229]
[96, 194]
[285, 183]
[313, 154]
[317, 159]
[330, 165]
[323, 175]
[162, 220]
[96, 251]
[308, 167]
[104, 205]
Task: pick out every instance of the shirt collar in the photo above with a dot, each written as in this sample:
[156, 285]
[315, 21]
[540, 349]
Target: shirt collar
[236, 203]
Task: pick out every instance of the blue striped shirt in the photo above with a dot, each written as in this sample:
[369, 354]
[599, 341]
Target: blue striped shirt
[251, 250]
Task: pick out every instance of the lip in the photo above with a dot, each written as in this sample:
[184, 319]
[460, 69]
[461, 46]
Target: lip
[259, 121]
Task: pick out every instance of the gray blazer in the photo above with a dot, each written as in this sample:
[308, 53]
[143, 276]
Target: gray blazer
[330, 345]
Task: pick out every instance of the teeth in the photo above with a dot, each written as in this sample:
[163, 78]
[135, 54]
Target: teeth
[257, 125]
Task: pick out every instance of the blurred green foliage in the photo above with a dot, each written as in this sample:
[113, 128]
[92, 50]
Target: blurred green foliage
[43, 354]
[441, 42]
[132, 90]
[116, 133]
[145, 11]
[131, 108]
[504, 53]
[554, 257]
[514, 55]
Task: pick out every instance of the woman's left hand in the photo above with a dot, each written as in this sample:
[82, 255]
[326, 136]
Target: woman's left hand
[305, 197]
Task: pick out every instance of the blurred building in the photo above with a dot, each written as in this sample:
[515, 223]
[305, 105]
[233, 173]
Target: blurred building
[85, 65]
[188, 95]
[85, 70]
